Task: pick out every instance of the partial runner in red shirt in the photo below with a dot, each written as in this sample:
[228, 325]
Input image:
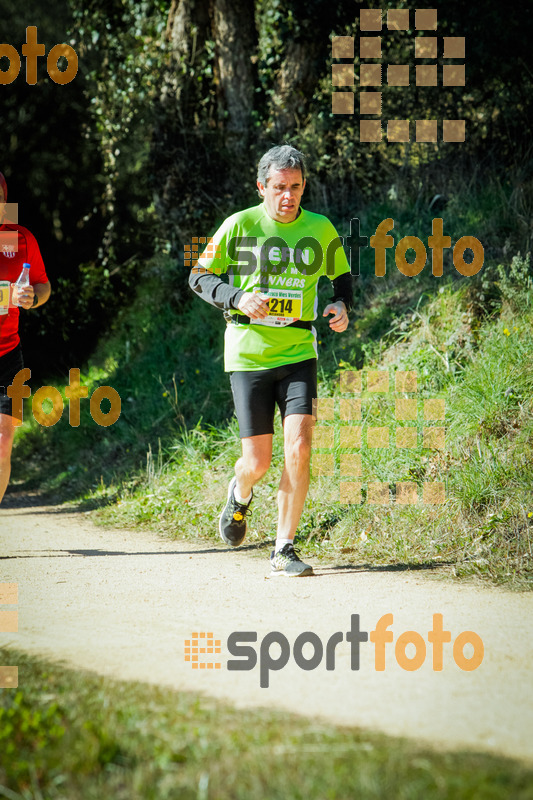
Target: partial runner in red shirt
[17, 247]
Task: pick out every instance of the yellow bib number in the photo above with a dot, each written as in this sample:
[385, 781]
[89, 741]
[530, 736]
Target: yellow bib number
[284, 307]
[4, 296]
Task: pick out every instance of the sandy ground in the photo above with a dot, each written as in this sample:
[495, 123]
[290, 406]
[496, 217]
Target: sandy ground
[122, 603]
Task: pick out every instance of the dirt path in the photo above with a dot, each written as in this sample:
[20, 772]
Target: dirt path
[123, 602]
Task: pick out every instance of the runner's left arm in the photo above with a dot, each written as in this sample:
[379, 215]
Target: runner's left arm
[213, 289]
[204, 278]
[39, 284]
[343, 290]
[31, 296]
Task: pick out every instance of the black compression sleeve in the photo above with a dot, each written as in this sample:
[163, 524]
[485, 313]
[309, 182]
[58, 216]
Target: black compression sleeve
[213, 289]
[343, 290]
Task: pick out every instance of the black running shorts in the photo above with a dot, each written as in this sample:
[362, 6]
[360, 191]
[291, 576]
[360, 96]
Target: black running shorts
[10, 364]
[255, 394]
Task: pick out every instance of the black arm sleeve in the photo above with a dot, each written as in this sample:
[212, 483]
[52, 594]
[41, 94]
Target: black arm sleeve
[343, 290]
[213, 290]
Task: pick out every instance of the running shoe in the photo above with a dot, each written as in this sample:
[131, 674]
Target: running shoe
[286, 562]
[232, 523]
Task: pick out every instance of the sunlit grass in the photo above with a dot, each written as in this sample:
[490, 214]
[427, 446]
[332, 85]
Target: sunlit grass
[69, 734]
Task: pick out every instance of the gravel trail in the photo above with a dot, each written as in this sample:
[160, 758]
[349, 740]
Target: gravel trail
[123, 602]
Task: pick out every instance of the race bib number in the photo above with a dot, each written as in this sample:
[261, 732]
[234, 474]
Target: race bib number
[284, 307]
[4, 296]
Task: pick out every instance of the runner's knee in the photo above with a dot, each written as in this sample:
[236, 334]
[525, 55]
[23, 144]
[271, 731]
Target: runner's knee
[257, 464]
[298, 449]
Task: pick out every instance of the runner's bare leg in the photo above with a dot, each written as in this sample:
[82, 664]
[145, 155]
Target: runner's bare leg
[294, 483]
[254, 462]
[7, 432]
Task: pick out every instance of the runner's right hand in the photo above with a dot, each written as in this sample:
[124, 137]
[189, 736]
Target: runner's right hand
[22, 297]
[254, 305]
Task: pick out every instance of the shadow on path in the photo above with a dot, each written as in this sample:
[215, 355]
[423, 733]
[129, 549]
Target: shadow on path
[34, 501]
[325, 572]
[67, 553]
[49, 503]
[320, 572]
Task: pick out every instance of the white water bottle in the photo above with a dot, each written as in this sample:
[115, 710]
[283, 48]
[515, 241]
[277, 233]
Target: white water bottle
[23, 279]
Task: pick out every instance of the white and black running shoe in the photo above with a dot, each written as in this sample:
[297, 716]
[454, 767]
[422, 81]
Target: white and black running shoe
[286, 562]
[232, 523]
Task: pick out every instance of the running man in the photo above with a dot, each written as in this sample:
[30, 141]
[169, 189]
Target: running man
[273, 253]
[11, 260]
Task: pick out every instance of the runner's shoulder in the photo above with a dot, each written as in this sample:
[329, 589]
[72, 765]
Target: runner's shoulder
[318, 219]
[14, 226]
[247, 215]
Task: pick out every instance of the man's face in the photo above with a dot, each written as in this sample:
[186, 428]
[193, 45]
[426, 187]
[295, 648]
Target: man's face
[282, 194]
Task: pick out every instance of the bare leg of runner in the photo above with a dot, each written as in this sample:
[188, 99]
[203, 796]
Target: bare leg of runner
[294, 483]
[254, 462]
[7, 431]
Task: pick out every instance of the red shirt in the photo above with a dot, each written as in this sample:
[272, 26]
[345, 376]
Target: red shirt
[10, 268]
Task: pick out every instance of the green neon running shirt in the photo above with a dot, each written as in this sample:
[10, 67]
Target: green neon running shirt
[252, 347]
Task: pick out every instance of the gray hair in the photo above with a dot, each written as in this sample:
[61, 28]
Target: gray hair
[281, 157]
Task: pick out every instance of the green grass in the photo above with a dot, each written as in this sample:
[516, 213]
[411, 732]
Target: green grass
[71, 734]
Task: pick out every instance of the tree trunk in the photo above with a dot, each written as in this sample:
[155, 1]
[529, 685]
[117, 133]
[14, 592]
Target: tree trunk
[188, 27]
[236, 43]
[204, 119]
[175, 139]
[295, 84]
